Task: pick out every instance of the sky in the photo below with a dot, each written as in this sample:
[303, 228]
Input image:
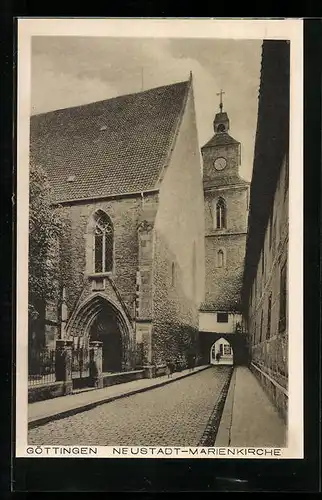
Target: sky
[69, 71]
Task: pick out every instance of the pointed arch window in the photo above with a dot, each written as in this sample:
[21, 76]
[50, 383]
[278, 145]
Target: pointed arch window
[103, 243]
[173, 274]
[221, 213]
[220, 258]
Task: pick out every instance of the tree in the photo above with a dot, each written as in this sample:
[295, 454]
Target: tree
[46, 227]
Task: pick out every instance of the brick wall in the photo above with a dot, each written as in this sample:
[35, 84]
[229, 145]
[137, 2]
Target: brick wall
[178, 270]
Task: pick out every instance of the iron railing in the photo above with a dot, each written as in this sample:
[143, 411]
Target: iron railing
[41, 366]
[80, 362]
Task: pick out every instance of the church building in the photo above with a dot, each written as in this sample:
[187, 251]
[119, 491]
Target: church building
[226, 199]
[127, 171]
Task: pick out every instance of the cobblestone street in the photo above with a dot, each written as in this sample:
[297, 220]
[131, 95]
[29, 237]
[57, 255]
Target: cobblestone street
[176, 414]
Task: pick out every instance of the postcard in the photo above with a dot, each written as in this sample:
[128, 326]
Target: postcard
[159, 238]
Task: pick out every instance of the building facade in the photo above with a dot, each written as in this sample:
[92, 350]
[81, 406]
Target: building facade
[265, 281]
[127, 172]
[226, 198]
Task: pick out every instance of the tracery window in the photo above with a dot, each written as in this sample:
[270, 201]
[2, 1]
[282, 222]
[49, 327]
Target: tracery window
[221, 214]
[103, 243]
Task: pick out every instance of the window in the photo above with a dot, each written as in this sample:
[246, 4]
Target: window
[173, 274]
[220, 214]
[269, 314]
[103, 243]
[263, 259]
[283, 299]
[222, 317]
[227, 350]
[221, 127]
[220, 258]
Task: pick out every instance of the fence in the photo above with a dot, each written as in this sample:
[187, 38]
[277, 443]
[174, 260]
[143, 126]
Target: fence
[41, 366]
[80, 362]
[68, 361]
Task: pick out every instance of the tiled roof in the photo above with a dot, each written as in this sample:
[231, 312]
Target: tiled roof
[220, 139]
[108, 147]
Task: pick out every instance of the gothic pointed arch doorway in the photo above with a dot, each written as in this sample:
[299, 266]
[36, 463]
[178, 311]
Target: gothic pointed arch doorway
[100, 319]
[105, 328]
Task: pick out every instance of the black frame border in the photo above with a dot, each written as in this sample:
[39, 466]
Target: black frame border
[149, 475]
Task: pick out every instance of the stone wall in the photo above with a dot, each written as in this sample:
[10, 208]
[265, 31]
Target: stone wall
[223, 284]
[124, 214]
[127, 273]
[229, 151]
[268, 336]
[178, 265]
[48, 391]
[236, 199]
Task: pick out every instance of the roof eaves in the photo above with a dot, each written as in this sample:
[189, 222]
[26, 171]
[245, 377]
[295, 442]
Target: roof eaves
[105, 197]
[212, 142]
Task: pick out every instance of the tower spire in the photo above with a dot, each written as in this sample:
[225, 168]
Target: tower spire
[221, 121]
[221, 103]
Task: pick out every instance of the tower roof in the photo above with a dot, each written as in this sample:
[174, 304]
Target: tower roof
[220, 139]
[109, 147]
[221, 117]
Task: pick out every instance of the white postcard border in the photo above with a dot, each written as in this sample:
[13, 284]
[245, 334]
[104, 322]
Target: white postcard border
[291, 29]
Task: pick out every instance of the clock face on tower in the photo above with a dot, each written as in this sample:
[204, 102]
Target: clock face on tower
[220, 163]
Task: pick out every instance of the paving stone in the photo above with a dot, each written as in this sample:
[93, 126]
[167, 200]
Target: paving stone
[172, 415]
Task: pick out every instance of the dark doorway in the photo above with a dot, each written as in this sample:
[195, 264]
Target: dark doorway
[105, 328]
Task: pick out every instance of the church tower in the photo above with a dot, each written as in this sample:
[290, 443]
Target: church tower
[226, 197]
